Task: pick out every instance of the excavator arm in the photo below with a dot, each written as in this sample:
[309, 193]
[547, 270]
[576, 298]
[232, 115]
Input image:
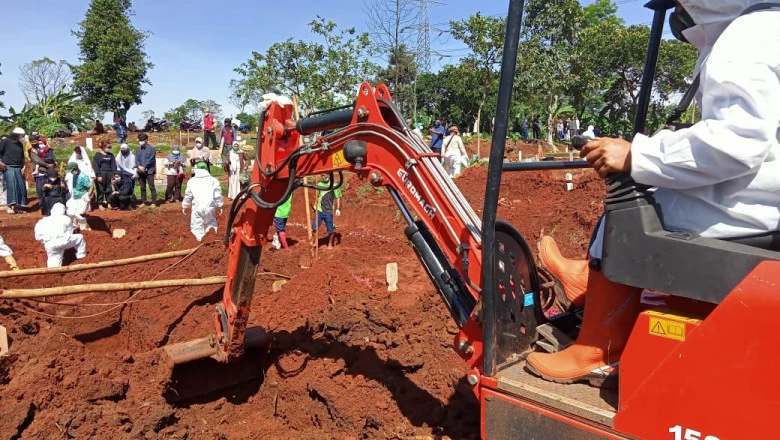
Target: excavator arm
[372, 141]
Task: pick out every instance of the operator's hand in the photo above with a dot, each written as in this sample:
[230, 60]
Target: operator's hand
[608, 155]
[99, 179]
[338, 213]
[2, 166]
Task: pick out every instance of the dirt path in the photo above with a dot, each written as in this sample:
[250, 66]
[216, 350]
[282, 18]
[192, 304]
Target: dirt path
[349, 359]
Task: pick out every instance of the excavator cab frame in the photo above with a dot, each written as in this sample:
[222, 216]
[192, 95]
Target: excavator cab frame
[673, 370]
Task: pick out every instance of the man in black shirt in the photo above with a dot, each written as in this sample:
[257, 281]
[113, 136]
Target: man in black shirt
[104, 164]
[12, 164]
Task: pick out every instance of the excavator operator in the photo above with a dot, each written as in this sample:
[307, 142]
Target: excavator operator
[719, 178]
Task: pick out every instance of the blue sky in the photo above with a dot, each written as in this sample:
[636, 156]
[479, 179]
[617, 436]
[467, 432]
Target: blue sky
[195, 44]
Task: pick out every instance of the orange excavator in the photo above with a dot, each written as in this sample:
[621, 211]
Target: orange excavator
[699, 365]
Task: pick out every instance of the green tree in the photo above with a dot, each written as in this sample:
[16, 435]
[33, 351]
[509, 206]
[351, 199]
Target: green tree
[114, 64]
[484, 36]
[549, 48]
[241, 95]
[615, 54]
[322, 74]
[60, 110]
[454, 94]
[192, 109]
[248, 119]
[400, 74]
[599, 12]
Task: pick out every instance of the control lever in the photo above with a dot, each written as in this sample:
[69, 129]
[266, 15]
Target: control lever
[579, 141]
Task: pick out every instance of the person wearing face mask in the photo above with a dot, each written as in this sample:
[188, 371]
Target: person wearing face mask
[719, 178]
[53, 191]
[204, 195]
[104, 165]
[226, 137]
[174, 172]
[199, 153]
[121, 196]
[81, 194]
[145, 162]
[56, 235]
[437, 136]
[41, 159]
[12, 166]
[236, 162]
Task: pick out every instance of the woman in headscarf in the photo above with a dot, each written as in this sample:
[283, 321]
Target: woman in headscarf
[125, 163]
[236, 162]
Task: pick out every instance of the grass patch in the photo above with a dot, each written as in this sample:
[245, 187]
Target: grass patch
[364, 189]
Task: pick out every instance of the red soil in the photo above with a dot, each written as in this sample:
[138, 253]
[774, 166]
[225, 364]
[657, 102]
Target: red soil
[349, 359]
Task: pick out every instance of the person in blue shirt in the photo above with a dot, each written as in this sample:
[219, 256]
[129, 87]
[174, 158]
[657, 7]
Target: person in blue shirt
[145, 161]
[121, 130]
[437, 136]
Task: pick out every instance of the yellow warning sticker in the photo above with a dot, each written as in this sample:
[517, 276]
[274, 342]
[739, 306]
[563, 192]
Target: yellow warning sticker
[338, 159]
[674, 317]
[666, 328]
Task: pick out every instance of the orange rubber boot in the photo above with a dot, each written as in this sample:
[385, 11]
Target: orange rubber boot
[572, 274]
[611, 310]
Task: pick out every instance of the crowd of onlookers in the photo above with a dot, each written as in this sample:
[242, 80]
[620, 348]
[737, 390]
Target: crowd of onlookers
[68, 191]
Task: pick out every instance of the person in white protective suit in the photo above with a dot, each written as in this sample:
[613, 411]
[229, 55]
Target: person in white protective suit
[56, 234]
[204, 194]
[718, 178]
[7, 254]
[589, 132]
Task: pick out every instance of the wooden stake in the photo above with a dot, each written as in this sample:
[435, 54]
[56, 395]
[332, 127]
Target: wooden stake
[111, 263]
[392, 277]
[108, 287]
[297, 115]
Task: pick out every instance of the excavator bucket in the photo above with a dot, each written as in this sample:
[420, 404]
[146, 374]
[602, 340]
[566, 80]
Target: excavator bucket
[208, 347]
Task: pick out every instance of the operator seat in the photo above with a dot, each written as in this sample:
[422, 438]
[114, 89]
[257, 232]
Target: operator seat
[639, 252]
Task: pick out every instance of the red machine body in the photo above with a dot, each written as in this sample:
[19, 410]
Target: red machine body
[688, 372]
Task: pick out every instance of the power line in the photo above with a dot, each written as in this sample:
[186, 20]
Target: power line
[424, 28]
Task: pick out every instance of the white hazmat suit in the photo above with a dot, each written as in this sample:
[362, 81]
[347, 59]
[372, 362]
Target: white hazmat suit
[721, 177]
[56, 234]
[5, 251]
[204, 194]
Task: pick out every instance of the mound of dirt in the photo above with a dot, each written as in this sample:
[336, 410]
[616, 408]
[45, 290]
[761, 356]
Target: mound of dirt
[348, 359]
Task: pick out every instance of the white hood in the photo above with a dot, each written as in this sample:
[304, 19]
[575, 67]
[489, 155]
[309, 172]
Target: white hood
[58, 209]
[712, 17]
